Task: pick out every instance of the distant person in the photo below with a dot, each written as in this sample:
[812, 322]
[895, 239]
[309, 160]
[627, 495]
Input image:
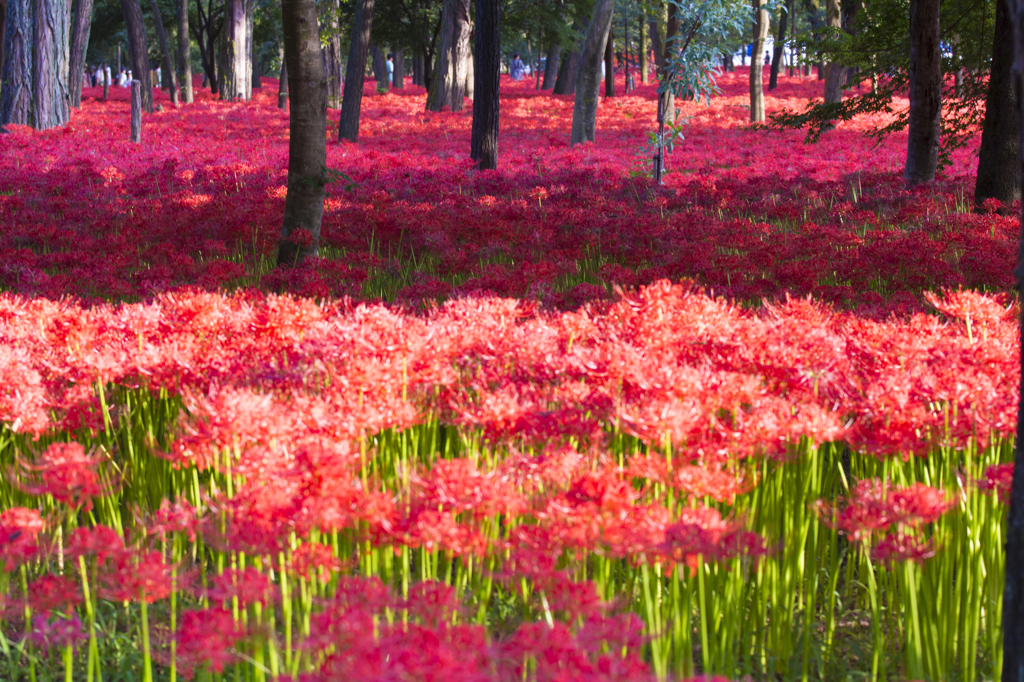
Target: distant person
[128, 79]
[106, 74]
[516, 68]
[122, 79]
[767, 58]
[391, 68]
[159, 78]
[97, 78]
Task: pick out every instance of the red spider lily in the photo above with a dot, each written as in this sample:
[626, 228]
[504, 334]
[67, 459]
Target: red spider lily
[701, 531]
[19, 528]
[874, 506]
[248, 586]
[53, 592]
[173, 517]
[98, 541]
[998, 477]
[207, 637]
[66, 472]
[133, 576]
[896, 547]
[57, 632]
[432, 602]
[312, 559]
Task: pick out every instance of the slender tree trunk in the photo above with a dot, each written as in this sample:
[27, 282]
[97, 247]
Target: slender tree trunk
[925, 89]
[184, 52]
[551, 66]
[51, 96]
[398, 77]
[307, 142]
[609, 65]
[642, 26]
[417, 69]
[1013, 587]
[667, 99]
[470, 83]
[16, 91]
[833, 73]
[780, 47]
[657, 44]
[355, 72]
[137, 48]
[161, 35]
[756, 68]
[997, 158]
[3, 31]
[235, 84]
[380, 67]
[282, 85]
[80, 26]
[332, 55]
[486, 74]
[447, 88]
[588, 77]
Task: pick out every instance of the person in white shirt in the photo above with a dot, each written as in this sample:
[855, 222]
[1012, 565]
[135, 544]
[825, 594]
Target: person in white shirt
[98, 77]
[159, 78]
[106, 74]
[391, 69]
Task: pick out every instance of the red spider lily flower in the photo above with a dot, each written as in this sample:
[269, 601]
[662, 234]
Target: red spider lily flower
[701, 531]
[53, 592]
[896, 547]
[998, 477]
[432, 602]
[874, 506]
[131, 576]
[208, 637]
[19, 528]
[66, 472]
[248, 585]
[98, 541]
[173, 517]
[57, 631]
[314, 559]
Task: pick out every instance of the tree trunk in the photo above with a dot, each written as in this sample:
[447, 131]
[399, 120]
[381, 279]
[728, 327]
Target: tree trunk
[282, 85]
[925, 90]
[609, 65]
[588, 76]
[307, 141]
[551, 66]
[135, 122]
[51, 96]
[668, 101]
[184, 52]
[447, 89]
[470, 83]
[398, 77]
[235, 83]
[355, 72]
[657, 44]
[80, 27]
[834, 73]
[16, 91]
[1013, 586]
[206, 36]
[756, 67]
[486, 75]
[332, 55]
[3, 31]
[642, 26]
[997, 158]
[380, 67]
[780, 47]
[161, 35]
[565, 82]
[138, 50]
[417, 70]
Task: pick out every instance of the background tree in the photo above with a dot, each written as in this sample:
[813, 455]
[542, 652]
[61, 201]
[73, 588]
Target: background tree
[168, 71]
[208, 25]
[448, 86]
[138, 49]
[80, 27]
[924, 117]
[51, 96]
[16, 88]
[184, 51]
[997, 158]
[355, 70]
[330, 38]
[307, 127]
[588, 76]
[756, 68]
[236, 83]
[487, 54]
[779, 46]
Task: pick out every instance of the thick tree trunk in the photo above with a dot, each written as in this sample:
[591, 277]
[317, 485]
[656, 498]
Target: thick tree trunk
[780, 47]
[551, 66]
[307, 143]
[997, 158]
[380, 67]
[417, 70]
[609, 65]
[565, 82]
[447, 87]
[16, 90]
[161, 35]
[332, 55]
[1013, 586]
[756, 67]
[470, 83]
[282, 85]
[235, 83]
[3, 31]
[51, 96]
[833, 73]
[486, 75]
[925, 90]
[398, 77]
[657, 44]
[588, 77]
[642, 26]
[80, 26]
[184, 52]
[355, 72]
[138, 50]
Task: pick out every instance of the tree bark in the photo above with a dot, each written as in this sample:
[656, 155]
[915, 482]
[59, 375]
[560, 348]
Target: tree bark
[380, 67]
[780, 47]
[642, 26]
[668, 101]
[834, 74]
[398, 77]
[997, 158]
[161, 35]
[756, 67]
[16, 91]
[135, 123]
[137, 48]
[184, 52]
[417, 70]
[609, 65]
[486, 75]
[235, 83]
[332, 56]
[206, 35]
[80, 27]
[3, 31]
[282, 85]
[551, 66]
[307, 143]
[51, 96]
[470, 82]
[355, 71]
[1013, 586]
[447, 88]
[925, 90]
[588, 77]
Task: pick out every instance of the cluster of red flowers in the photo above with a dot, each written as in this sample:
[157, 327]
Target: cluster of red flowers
[749, 214]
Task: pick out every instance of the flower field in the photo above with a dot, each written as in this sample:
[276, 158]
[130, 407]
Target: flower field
[543, 423]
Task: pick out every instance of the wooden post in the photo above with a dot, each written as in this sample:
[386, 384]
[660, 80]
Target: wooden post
[119, 58]
[136, 130]
[106, 83]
